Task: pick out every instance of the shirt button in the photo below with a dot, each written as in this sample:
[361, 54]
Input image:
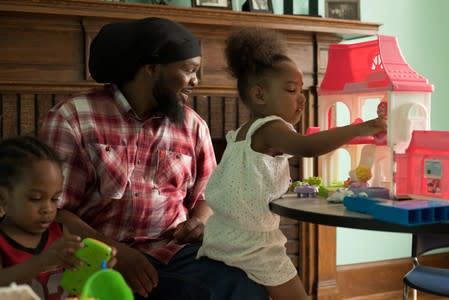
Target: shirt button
[108, 148]
[138, 162]
[136, 194]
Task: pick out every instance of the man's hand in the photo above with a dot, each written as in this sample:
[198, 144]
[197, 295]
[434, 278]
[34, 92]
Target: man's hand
[139, 273]
[189, 231]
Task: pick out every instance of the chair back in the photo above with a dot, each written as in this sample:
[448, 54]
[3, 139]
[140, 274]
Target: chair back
[423, 242]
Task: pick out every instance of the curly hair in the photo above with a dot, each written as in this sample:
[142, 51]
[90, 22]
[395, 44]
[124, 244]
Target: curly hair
[253, 52]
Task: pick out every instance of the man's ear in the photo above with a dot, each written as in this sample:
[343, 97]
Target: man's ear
[150, 69]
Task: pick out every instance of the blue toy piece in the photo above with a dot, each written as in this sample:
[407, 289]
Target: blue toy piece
[360, 204]
[372, 192]
[408, 212]
[412, 212]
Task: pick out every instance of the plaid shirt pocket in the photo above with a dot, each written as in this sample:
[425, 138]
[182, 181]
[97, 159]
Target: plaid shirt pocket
[174, 171]
[110, 164]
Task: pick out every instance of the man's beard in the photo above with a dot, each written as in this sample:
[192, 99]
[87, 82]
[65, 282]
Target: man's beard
[169, 103]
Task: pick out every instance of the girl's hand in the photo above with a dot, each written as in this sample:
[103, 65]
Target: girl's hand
[371, 127]
[62, 252]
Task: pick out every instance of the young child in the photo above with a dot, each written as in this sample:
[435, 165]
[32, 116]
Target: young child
[254, 169]
[33, 247]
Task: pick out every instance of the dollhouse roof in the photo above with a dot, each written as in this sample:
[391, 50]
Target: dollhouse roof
[430, 142]
[376, 65]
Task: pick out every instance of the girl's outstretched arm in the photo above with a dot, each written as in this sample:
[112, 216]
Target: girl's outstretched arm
[278, 136]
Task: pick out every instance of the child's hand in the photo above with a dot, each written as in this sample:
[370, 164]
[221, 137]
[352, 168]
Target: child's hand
[371, 127]
[113, 260]
[62, 252]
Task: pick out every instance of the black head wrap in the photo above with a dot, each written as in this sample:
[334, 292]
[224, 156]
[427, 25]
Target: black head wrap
[121, 48]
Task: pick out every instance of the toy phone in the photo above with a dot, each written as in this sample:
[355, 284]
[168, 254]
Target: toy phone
[95, 254]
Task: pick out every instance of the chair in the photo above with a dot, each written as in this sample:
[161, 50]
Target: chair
[425, 278]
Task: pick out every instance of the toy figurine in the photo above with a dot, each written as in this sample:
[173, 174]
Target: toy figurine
[363, 174]
[382, 110]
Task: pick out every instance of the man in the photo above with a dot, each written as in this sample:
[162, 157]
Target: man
[137, 160]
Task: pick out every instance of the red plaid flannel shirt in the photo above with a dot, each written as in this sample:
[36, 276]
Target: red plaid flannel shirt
[130, 179]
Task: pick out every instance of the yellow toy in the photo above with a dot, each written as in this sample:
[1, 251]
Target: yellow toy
[363, 174]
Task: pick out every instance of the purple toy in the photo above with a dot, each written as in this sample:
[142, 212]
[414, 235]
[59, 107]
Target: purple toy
[306, 191]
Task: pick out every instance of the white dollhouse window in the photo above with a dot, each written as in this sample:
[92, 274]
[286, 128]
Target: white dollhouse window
[369, 108]
[342, 114]
[416, 118]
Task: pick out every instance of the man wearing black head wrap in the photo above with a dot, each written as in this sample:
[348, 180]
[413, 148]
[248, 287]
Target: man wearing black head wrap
[121, 49]
[137, 160]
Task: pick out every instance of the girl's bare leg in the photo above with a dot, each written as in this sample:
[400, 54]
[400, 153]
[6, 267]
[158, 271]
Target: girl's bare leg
[291, 290]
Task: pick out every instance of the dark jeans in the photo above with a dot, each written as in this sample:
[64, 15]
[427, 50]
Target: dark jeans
[188, 278]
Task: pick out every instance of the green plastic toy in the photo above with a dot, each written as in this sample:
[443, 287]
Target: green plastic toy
[95, 254]
[106, 284]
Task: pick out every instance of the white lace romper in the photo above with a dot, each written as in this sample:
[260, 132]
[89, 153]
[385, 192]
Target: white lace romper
[243, 232]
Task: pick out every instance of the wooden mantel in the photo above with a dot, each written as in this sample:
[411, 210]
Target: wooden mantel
[198, 16]
[44, 46]
[60, 27]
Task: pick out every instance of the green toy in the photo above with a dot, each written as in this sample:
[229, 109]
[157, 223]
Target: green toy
[95, 254]
[106, 284]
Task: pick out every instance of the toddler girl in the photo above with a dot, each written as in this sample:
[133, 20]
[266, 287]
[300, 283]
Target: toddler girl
[254, 169]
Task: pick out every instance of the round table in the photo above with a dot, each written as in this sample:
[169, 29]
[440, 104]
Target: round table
[320, 211]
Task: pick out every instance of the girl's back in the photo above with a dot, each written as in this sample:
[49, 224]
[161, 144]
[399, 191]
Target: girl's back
[246, 181]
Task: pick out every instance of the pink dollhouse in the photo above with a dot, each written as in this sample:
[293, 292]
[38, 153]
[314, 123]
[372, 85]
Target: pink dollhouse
[374, 73]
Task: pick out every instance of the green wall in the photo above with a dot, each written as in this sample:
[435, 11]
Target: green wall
[421, 28]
